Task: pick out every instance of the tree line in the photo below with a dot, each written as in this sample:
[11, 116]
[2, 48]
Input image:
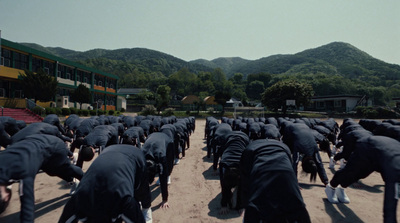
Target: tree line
[270, 89]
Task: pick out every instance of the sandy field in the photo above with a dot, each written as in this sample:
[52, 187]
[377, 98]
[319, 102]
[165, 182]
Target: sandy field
[195, 194]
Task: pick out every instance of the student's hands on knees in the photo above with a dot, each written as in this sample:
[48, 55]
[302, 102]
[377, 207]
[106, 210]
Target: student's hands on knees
[164, 205]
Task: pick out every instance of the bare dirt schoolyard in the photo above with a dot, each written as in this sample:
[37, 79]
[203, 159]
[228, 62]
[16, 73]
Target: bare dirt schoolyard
[195, 194]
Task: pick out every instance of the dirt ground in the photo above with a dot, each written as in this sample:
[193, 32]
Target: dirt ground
[194, 194]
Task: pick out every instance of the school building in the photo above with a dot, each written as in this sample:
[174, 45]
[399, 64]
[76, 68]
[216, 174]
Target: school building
[15, 58]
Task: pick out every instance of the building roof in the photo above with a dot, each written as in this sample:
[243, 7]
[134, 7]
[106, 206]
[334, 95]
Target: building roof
[336, 96]
[210, 100]
[27, 49]
[130, 91]
[190, 99]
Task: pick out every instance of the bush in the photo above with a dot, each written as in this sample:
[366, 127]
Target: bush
[58, 111]
[92, 112]
[65, 111]
[50, 111]
[111, 112]
[37, 110]
[85, 112]
[371, 113]
[100, 112]
[74, 110]
[168, 112]
[149, 110]
[122, 110]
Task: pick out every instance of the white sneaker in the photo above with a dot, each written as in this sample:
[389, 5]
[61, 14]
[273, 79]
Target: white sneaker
[342, 196]
[74, 185]
[168, 182]
[333, 150]
[331, 163]
[177, 160]
[331, 194]
[147, 214]
[342, 164]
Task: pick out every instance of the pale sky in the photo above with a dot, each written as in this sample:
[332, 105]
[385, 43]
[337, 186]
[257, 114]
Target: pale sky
[207, 29]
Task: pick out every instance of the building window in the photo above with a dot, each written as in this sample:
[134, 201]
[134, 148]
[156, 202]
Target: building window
[18, 94]
[36, 64]
[320, 104]
[338, 103]
[6, 57]
[2, 92]
[20, 61]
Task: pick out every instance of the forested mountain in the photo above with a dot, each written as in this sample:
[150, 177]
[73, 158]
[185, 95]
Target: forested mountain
[333, 58]
[335, 68]
[228, 64]
[122, 61]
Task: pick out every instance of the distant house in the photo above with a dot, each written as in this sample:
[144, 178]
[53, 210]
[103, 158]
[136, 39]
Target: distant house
[210, 100]
[127, 92]
[124, 94]
[233, 102]
[190, 99]
[338, 103]
[188, 102]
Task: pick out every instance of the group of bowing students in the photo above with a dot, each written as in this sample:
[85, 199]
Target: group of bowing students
[259, 156]
[132, 151]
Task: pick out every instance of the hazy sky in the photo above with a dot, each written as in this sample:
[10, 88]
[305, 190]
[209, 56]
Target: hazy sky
[207, 29]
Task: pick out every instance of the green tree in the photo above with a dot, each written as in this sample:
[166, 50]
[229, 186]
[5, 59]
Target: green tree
[237, 78]
[39, 86]
[163, 97]
[263, 77]
[144, 95]
[239, 93]
[183, 82]
[255, 89]
[223, 94]
[275, 96]
[81, 95]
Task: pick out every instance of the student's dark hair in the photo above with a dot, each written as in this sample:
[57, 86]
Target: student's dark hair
[324, 145]
[309, 166]
[86, 152]
[78, 142]
[70, 133]
[331, 137]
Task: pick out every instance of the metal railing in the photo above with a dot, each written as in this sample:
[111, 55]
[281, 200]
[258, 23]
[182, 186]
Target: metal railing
[30, 104]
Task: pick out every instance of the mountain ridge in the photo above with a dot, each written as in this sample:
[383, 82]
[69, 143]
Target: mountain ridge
[335, 58]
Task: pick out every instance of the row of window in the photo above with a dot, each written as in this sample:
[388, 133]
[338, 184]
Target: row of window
[337, 104]
[18, 60]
